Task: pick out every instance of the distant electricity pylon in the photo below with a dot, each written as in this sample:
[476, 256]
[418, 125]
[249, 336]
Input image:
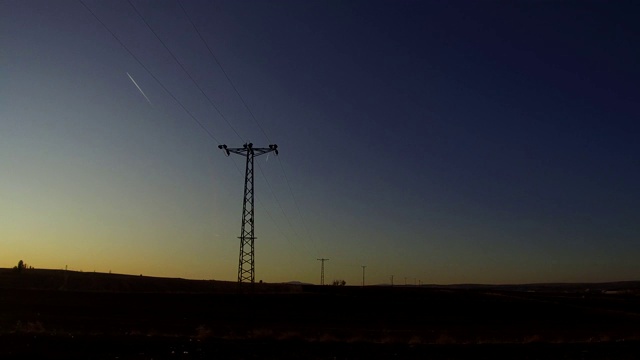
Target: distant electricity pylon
[246, 263]
[322, 270]
[363, 267]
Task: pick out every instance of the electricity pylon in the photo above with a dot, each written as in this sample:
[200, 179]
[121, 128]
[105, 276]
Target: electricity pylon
[322, 270]
[246, 263]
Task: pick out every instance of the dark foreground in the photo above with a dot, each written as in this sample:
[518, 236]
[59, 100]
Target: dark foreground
[119, 317]
[136, 347]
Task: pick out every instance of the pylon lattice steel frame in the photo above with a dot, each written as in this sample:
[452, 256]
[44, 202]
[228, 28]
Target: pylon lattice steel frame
[246, 262]
[322, 270]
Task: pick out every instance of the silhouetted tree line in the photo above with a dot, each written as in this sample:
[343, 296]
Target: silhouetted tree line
[22, 266]
[339, 283]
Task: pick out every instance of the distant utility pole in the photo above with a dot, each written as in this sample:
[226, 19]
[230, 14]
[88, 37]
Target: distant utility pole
[405, 281]
[363, 267]
[246, 263]
[391, 280]
[322, 270]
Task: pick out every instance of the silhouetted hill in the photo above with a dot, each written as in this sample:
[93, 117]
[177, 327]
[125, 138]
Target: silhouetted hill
[297, 283]
[45, 279]
[48, 279]
[57, 311]
[628, 286]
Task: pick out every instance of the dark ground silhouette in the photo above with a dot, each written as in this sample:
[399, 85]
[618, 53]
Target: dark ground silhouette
[58, 314]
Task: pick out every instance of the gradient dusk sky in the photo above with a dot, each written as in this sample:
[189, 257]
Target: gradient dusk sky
[436, 141]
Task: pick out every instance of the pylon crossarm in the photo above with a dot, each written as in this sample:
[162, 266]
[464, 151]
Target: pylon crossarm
[256, 151]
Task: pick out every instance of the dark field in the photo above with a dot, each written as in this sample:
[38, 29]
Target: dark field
[57, 314]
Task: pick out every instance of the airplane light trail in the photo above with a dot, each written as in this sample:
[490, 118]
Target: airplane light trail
[139, 89]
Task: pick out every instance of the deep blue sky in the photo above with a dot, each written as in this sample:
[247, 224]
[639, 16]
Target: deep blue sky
[442, 141]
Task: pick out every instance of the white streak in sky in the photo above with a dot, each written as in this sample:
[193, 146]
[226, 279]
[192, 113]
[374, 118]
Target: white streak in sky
[141, 92]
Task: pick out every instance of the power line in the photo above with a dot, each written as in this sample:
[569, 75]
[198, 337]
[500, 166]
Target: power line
[223, 71]
[217, 61]
[198, 122]
[183, 68]
[217, 109]
[214, 106]
[150, 73]
[295, 203]
[266, 210]
[278, 202]
[215, 58]
[269, 213]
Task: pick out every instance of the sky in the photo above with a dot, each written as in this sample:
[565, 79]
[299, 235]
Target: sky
[440, 142]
